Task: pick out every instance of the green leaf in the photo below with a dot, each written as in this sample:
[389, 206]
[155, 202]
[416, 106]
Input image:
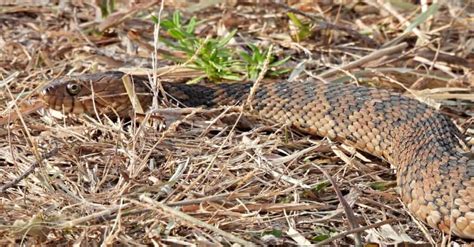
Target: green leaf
[280, 62]
[232, 77]
[196, 80]
[212, 55]
[177, 19]
[191, 25]
[226, 39]
[246, 57]
[176, 34]
[404, 5]
[321, 237]
[321, 186]
[275, 232]
[295, 20]
[381, 185]
[279, 72]
[423, 17]
[154, 19]
[304, 30]
[106, 8]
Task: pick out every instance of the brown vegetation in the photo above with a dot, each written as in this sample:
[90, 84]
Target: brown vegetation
[199, 179]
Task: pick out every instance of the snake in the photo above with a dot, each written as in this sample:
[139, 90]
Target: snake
[434, 167]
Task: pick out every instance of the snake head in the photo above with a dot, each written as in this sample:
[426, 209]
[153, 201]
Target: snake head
[102, 93]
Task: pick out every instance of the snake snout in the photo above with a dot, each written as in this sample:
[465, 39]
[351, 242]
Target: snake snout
[46, 93]
[46, 90]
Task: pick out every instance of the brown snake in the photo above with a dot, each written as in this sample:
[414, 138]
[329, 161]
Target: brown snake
[435, 172]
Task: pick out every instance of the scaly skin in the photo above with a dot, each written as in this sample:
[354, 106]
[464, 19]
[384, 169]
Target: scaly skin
[435, 175]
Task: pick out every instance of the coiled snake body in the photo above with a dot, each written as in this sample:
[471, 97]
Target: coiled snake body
[435, 173]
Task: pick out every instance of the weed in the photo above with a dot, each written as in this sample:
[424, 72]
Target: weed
[214, 56]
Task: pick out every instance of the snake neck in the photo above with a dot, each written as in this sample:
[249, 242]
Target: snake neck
[208, 96]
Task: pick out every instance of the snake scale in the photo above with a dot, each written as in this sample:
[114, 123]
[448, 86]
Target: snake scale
[435, 172]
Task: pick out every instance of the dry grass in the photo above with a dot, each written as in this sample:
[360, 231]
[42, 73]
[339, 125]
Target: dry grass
[201, 180]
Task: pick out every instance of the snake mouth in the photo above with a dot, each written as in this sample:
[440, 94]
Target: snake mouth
[85, 104]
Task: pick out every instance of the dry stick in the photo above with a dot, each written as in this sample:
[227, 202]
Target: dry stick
[363, 60]
[360, 229]
[132, 96]
[420, 225]
[29, 171]
[155, 82]
[347, 208]
[388, 7]
[195, 221]
[154, 105]
[33, 146]
[94, 216]
[204, 174]
[213, 198]
[253, 90]
[27, 109]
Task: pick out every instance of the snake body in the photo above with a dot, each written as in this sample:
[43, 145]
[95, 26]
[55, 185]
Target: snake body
[435, 173]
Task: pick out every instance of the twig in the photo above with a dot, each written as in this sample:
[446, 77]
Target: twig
[356, 230]
[388, 7]
[256, 85]
[29, 171]
[94, 216]
[154, 59]
[195, 221]
[363, 60]
[347, 208]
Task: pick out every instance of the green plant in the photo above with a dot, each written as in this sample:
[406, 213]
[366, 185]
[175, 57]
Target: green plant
[209, 55]
[107, 7]
[255, 61]
[303, 30]
[213, 55]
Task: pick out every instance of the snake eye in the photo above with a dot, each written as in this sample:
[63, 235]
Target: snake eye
[73, 88]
